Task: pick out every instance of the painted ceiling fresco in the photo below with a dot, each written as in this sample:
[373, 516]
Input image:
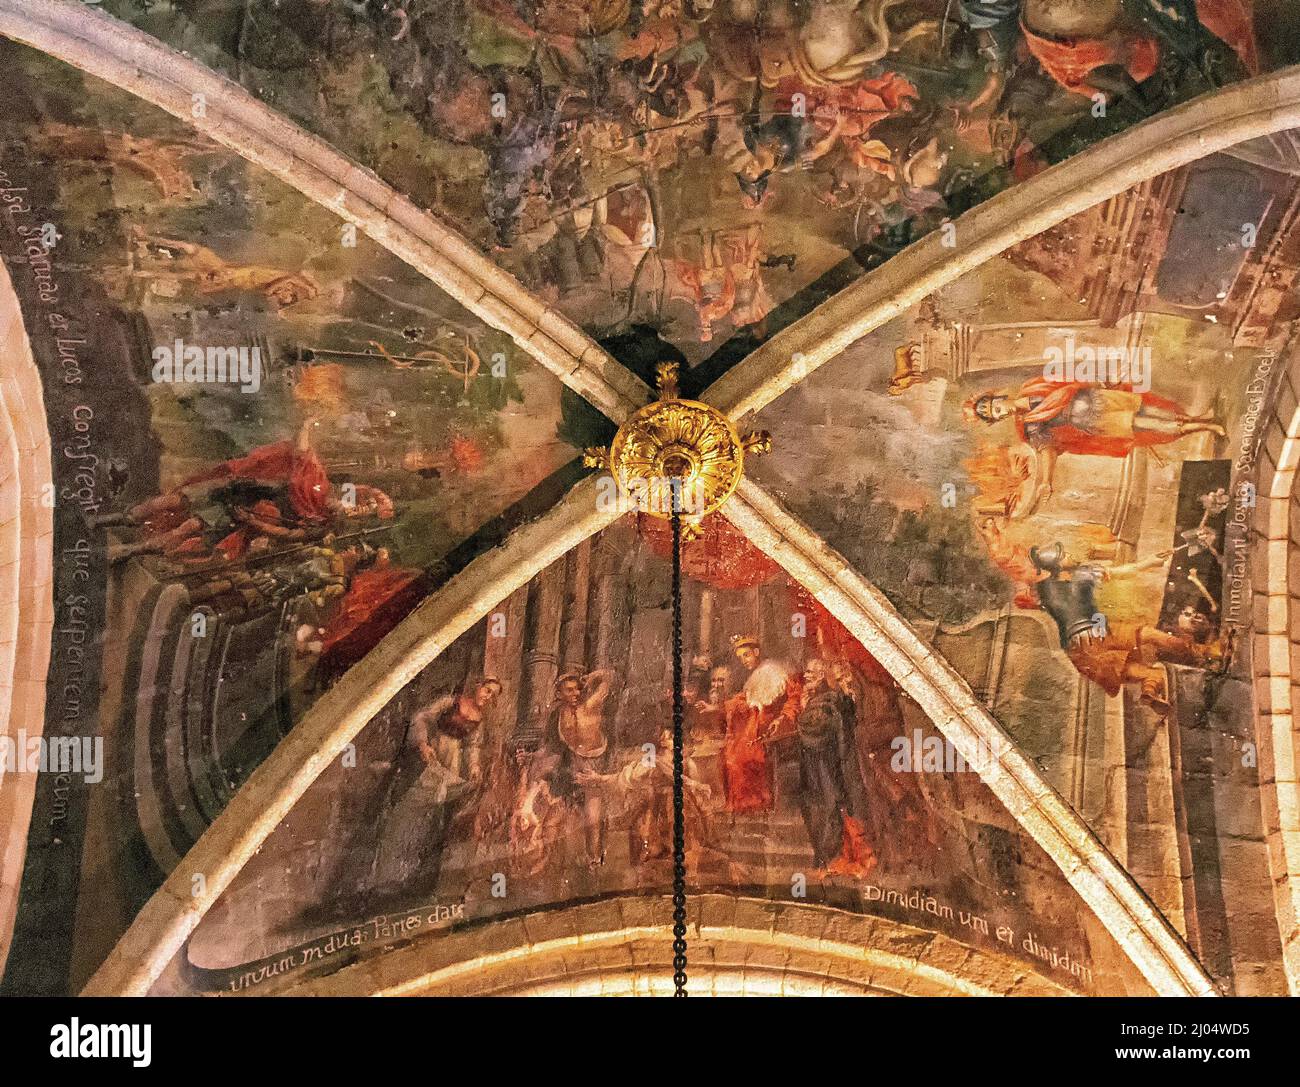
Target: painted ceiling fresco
[551, 782]
[283, 435]
[1040, 465]
[1052, 450]
[712, 167]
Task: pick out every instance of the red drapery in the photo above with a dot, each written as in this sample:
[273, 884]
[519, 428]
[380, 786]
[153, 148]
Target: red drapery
[720, 557]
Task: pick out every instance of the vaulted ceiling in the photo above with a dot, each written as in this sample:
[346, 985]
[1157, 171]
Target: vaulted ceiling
[1014, 299]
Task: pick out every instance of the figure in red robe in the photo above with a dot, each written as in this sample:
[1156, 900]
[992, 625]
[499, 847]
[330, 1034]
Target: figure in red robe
[377, 599]
[1056, 417]
[311, 495]
[311, 505]
[1071, 58]
[765, 710]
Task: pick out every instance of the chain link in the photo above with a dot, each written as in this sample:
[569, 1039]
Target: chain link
[679, 799]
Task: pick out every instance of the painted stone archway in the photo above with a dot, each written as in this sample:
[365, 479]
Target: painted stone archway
[743, 947]
[1269, 468]
[26, 592]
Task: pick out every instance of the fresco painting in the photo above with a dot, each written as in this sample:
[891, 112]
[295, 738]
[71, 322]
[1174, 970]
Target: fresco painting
[272, 440]
[696, 166]
[1061, 456]
[278, 436]
[531, 764]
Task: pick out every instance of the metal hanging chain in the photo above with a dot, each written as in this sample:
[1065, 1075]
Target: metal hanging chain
[679, 799]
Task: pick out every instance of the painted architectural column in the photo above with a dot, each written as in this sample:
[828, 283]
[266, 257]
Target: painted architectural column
[541, 653]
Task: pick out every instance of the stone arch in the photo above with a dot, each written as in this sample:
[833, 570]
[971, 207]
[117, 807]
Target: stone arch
[26, 585]
[739, 946]
[1275, 596]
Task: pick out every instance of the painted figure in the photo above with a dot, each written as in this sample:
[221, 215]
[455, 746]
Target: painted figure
[378, 597]
[646, 785]
[574, 747]
[439, 767]
[1114, 653]
[1057, 417]
[277, 493]
[197, 266]
[823, 44]
[900, 827]
[727, 282]
[764, 710]
[830, 790]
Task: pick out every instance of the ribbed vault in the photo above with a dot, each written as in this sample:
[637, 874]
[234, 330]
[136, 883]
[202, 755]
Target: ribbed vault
[86, 39]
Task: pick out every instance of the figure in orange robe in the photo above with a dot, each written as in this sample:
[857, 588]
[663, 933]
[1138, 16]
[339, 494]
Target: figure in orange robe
[766, 709]
[1087, 418]
[1053, 418]
[728, 281]
[1071, 60]
[377, 599]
